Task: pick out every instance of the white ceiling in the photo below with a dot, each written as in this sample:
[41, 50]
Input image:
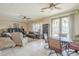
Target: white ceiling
[32, 10]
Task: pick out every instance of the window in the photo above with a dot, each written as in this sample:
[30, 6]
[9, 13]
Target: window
[34, 27]
[37, 28]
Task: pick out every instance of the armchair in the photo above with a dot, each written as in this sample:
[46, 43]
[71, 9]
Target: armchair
[17, 37]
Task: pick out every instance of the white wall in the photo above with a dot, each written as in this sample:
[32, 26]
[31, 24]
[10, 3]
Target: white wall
[6, 22]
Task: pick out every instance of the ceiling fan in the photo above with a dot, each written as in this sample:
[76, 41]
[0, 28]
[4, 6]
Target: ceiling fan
[24, 17]
[51, 6]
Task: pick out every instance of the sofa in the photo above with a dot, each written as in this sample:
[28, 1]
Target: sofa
[6, 42]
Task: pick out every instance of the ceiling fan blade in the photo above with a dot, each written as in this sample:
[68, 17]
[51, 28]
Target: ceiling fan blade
[45, 8]
[42, 10]
[28, 18]
[57, 7]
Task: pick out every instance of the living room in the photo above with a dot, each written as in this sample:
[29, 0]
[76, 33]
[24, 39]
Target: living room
[28, 28]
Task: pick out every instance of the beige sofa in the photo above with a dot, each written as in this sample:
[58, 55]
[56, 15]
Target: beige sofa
[6, 42]
[17, 39]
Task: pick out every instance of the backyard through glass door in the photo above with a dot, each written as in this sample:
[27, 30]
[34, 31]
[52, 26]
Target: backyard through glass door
[61, 28]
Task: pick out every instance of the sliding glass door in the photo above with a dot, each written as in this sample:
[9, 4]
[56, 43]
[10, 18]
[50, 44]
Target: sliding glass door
[65, 28]
[55, 28]
[61, 28]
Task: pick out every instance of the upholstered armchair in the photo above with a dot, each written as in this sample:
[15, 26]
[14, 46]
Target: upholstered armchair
[17, 37]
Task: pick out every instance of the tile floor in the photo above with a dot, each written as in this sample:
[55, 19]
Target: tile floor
[33, 48]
